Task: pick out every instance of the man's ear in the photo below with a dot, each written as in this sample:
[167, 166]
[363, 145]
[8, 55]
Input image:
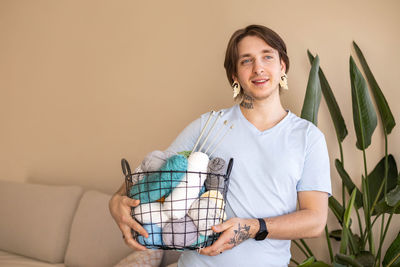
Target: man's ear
[234, 77]
[283, 66]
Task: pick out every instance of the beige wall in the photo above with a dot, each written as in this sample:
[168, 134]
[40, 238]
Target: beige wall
[85, 83]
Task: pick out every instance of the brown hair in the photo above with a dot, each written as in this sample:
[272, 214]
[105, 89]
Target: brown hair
[264, 33]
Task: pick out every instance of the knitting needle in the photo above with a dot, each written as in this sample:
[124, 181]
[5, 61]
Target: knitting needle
[230, 128]
[202, 131]
[211, 129]
[216, 136]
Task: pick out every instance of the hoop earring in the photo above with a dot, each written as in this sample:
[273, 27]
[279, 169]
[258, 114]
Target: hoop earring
[236, 89]
[283, 82]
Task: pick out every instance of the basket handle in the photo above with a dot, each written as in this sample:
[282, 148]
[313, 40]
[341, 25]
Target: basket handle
[126, 169]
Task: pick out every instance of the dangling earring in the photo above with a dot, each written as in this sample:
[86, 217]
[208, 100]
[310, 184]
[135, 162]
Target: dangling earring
[236, 89]
[283, 83]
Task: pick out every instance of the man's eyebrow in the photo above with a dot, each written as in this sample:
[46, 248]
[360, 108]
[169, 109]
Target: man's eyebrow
[263, 51]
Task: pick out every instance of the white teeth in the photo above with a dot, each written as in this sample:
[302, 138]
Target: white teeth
[260, 81]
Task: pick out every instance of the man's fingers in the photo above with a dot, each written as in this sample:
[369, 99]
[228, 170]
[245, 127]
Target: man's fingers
[127, 235]
[131, 202]
[137, 227]
[214, 248]
[221, 227]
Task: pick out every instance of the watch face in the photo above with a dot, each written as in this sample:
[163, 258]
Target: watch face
[262, 235]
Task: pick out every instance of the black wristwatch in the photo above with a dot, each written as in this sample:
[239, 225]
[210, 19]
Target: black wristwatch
[263, 232]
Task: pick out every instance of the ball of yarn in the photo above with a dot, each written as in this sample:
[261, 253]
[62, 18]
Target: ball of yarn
[180, 233]
[150, 213]
[200, 241]
[156, 185]
[155, 160]
[207, 211]
[187, 191]
[155, 236]
[137, 175]
[202, 190]
[215, 180]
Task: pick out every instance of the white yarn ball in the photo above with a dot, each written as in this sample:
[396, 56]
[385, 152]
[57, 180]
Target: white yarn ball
[179, 201]
[207, 211]
[150, 213]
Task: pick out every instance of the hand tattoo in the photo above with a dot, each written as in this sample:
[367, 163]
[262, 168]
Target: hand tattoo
[241, 234]
[247, 102]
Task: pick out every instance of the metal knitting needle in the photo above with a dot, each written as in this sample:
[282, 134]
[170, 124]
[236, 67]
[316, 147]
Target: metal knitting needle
[230, 128]
[211, 129]
[216, 136]
[202, 131]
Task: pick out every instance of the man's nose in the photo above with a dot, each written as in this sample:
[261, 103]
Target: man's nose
[258, 67]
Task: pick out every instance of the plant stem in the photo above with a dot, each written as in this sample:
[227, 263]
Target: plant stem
[378, 257]
[343, 185]
[329, 243]
[380, 241]
[307, 247]
[294, 261]
[302, 250]
[359, 225]
[366, 208]
[384, 182]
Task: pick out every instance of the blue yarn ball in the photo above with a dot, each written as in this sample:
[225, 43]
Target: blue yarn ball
[200, 240]
[202, 190]
[156, 185]
[155, 237]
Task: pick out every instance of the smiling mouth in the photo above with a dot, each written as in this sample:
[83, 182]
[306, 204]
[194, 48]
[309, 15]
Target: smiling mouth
[261, 81]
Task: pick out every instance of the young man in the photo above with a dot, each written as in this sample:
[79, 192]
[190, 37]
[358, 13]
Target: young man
[279, 159]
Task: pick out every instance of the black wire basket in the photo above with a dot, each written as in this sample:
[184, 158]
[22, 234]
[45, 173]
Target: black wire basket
[176, 214]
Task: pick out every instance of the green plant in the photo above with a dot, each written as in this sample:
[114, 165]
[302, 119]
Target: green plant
[379, 194]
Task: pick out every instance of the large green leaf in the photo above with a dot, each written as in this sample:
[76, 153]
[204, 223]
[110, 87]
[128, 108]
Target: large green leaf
[346, 223]
[313, 94]
[336, 208]
[349, 183]
[365, 258]
[333, 107]
[319, 264]
[336, 234]
[307, 262]
[347, 260]
[392, 256]
[364, 115]
[393, 197]
[383, 207]
[375, 178]
[383, 107]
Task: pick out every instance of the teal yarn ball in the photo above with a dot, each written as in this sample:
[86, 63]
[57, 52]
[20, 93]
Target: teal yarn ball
[156, 185]
[155, 237]
[202, 190]
[200, 240]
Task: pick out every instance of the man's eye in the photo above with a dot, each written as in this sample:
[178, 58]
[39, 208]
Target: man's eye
[245, 61]
[268, 57]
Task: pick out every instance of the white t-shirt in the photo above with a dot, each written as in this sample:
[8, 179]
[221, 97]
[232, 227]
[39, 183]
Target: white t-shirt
[269, 168]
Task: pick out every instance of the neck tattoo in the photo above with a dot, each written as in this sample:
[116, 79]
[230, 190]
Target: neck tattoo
[247, 102]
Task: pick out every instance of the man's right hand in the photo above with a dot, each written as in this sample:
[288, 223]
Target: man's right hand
[120, 209]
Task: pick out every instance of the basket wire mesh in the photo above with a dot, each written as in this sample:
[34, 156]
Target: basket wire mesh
[164, 221]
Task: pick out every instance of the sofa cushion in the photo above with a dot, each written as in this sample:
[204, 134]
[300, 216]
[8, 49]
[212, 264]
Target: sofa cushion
[13, 260]
[95, 238]
[36, 219]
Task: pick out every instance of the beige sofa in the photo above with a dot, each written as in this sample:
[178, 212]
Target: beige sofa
[43, 225]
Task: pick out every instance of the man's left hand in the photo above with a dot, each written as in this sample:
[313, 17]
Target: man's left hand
[235, 231]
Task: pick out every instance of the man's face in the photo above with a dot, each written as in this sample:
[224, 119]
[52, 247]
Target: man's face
[259, 68]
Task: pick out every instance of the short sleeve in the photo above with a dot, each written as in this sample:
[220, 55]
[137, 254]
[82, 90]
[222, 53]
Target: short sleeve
[187, 138]
[316, 169]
